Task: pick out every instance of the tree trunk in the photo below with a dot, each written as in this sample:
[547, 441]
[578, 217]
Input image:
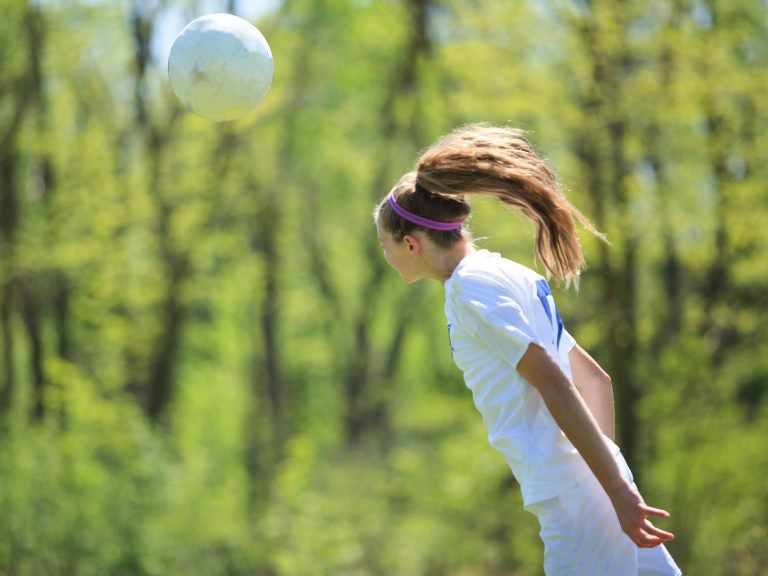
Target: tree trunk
[160, 387]
[367, 410]
[22, 96]
[32, 322]
[602, 150]
[270, 320]
[8, 226]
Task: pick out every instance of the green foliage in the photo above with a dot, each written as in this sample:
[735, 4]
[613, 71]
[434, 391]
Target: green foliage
[205, 365]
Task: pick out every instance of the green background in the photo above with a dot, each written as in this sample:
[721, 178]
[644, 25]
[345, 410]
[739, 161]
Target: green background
[206, 366]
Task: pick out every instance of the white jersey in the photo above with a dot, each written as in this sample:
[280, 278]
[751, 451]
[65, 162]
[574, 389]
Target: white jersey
[495, 309]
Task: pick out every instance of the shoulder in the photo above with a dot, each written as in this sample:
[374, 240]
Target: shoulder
[485, 274]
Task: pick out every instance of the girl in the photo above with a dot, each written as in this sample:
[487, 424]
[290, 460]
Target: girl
[547, 405]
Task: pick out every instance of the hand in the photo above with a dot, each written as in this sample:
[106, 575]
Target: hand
[633, 516]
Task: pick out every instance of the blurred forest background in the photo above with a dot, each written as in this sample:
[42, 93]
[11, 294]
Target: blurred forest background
[207, 368]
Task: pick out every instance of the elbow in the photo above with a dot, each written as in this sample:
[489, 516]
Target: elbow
[595, 383]
[605, 382]
[603, 386]
[598, 378]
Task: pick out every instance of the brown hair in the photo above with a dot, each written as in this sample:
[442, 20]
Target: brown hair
[493, 161]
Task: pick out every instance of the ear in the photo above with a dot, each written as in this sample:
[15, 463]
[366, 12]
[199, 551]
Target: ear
[413, 243]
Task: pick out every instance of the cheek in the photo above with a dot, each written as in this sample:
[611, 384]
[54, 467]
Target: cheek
[390, 253]
[394, 262]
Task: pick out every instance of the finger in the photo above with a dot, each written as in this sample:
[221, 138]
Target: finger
[653, 530]
[644, 540]
[658, 512]
[648, 536]
[658, 532]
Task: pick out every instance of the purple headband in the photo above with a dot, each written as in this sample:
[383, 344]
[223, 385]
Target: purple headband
[420, 220]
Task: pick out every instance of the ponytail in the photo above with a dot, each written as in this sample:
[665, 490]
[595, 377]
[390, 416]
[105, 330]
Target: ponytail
[500, 162]
[491, 161]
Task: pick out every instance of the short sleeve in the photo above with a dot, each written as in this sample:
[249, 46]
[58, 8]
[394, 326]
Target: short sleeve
[502, 327]
[567, 342]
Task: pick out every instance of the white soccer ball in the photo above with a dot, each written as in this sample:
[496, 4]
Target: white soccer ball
[220, 67]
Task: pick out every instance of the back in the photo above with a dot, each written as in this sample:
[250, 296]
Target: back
[495, 309]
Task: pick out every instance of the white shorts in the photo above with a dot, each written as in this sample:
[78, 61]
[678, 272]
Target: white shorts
[582, 536]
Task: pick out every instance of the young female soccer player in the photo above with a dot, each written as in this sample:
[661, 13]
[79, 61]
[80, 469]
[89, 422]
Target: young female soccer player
[547, 405]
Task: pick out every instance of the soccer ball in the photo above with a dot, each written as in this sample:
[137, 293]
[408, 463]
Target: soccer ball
[220, 67]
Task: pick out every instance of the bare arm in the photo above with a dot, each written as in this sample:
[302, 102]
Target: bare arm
[596, 389]
[572, 414]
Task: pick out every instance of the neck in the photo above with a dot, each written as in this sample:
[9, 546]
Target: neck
[443, 261]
